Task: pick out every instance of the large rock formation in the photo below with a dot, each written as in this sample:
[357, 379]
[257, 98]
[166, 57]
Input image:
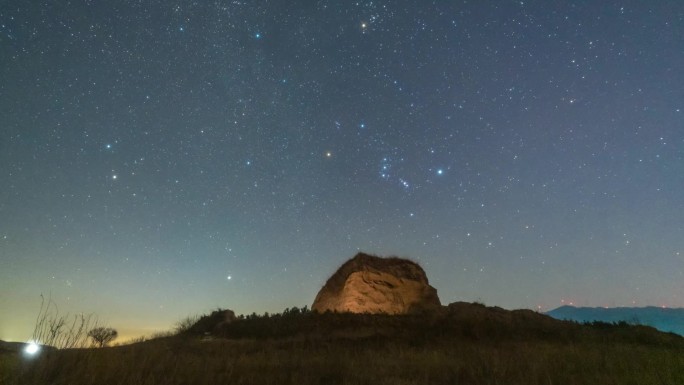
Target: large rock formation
[370, 284]
[213, 322]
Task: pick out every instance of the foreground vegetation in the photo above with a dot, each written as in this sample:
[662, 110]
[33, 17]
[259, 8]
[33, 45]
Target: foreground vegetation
[465, 344]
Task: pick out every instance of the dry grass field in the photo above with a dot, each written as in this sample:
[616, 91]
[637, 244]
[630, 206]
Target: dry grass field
[464, 344]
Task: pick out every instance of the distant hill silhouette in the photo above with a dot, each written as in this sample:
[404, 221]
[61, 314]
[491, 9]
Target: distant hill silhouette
[663, 319]
[11, 347]
[17, 347]
[456, 323]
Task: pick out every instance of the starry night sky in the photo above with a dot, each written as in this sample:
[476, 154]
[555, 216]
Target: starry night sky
[161, 159]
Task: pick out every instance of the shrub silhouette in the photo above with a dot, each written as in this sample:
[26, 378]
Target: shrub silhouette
[185, 324]
[102, 336]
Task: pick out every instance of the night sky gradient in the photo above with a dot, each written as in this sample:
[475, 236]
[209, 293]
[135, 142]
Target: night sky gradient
[161, 159]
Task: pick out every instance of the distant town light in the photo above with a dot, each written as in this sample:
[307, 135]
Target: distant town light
[32, 348]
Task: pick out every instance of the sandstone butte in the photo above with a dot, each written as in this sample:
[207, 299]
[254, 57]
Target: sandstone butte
[370, 284]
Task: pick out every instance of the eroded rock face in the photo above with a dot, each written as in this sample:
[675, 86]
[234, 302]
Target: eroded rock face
[370, 284]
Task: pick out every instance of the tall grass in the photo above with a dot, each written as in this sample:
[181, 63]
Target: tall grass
[355, 362]
[61, 331]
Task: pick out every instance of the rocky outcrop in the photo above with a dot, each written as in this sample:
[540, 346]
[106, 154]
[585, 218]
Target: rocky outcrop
[213, 322]
[370, 284]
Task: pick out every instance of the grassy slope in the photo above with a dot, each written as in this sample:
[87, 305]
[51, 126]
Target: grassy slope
[470, 344]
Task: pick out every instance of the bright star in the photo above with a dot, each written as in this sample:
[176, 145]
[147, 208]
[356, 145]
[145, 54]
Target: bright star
[440, 172]
[257, 35]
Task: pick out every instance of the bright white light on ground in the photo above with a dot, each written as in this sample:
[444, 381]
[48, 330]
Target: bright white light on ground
[32, 348]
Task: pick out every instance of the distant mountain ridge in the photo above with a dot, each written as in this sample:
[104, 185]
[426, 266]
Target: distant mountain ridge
[663, 319]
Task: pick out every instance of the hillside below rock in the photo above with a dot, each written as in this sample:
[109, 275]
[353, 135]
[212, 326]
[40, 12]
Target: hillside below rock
[371, 284]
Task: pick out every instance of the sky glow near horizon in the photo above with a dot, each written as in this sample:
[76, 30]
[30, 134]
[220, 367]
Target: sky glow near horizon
[159, 160]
